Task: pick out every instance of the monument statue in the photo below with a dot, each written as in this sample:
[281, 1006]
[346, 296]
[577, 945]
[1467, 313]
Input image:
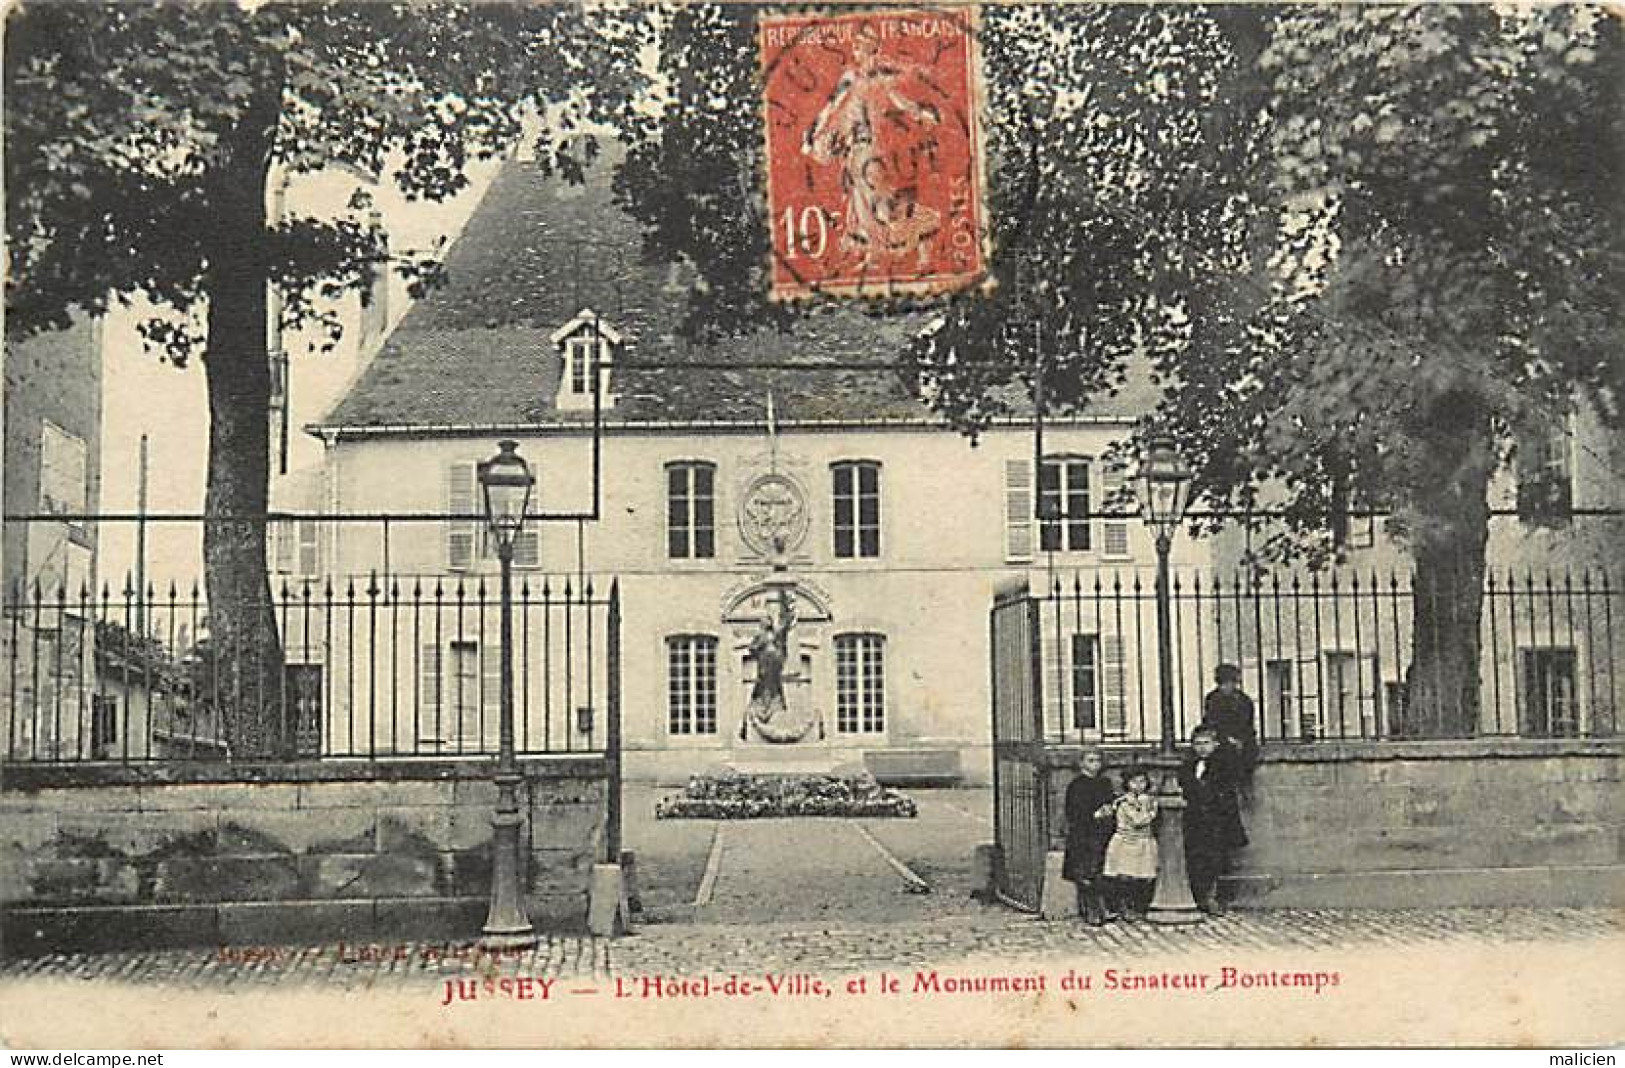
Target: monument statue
[770, 648]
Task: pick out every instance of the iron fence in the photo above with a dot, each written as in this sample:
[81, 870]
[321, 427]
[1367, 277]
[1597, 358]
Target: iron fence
[368, 666]
[1330, 655]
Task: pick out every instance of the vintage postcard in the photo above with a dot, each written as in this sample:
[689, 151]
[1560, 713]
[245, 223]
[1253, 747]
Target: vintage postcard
[553, 525]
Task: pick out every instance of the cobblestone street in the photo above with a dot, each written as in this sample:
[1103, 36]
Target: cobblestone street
[836, 949]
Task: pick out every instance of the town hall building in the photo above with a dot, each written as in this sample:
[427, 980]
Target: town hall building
[813, 519]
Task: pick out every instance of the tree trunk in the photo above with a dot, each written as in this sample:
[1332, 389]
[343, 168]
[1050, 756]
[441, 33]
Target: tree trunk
[242, 619]
[1447, 549]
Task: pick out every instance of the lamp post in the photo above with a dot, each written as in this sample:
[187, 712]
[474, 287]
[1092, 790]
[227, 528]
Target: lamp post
[1164, 485]
[506, 482]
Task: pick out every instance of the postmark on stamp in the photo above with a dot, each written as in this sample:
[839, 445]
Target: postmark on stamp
[874, 153]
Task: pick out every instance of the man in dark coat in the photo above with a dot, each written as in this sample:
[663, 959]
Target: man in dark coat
[1210, 780]
[1229, 712]
[1088, 830]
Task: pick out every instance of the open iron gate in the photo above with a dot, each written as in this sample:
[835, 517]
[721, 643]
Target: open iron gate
[1020, 777]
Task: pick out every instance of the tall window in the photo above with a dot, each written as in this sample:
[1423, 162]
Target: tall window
[1063, 505]
[857, 508]
[691, 511]
[1545, 476]
[691, 684]
[1350, 694]
[464, 685]
[1550, 705]
[860, 684]
[103, 725]
[1085, 682]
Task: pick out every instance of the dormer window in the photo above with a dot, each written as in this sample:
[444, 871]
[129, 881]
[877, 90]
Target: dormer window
[587, 349]
[582, 358]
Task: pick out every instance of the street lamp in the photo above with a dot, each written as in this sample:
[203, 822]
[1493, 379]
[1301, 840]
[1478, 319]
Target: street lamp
[1164, 485]
[506, 483]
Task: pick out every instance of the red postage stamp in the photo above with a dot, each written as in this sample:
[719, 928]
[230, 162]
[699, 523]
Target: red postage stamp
[874, 153]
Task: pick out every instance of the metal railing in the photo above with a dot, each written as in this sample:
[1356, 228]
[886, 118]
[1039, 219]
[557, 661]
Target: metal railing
[1331, 655]
[369, 666]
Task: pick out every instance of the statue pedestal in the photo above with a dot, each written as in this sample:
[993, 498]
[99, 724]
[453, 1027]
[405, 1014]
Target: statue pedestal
[792, 758]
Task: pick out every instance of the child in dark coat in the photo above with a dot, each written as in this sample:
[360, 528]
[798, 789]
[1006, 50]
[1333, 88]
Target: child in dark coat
[1210, 779]
[1088, 829]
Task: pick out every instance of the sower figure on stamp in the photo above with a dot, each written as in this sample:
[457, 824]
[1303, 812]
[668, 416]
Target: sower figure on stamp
[1088, 829]
[883, 210]
[1228, 711]
[1210, 780]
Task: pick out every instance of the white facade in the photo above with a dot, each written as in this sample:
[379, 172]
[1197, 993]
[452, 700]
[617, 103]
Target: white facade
[889, 651]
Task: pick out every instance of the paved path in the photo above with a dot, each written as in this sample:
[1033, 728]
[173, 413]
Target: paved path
[812, 869]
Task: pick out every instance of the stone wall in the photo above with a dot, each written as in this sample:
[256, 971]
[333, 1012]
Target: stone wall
[297, 853]
[1391, 825]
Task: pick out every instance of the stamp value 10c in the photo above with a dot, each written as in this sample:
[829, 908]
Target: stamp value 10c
[874, 153]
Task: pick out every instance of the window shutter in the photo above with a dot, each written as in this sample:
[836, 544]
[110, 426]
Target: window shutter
[429, 713]
[1018, 510]
[1057, 665]
[310, 547]
[491, 686]
[1310, 697]
[527, 546]
[1113, 532]
[460, 533]
[284, 545]
[1113, 679]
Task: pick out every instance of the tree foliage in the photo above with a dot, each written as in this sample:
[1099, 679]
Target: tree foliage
[119, 118]
[1359, 247]
[139, 143]
[1444, 267]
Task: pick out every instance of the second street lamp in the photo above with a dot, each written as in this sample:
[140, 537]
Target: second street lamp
[1164, 490]
[506, 483]
[1164, 485]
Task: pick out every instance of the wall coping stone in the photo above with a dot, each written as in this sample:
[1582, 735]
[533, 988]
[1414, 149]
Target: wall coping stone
[30, 778]
[1353, 751]
[1327, 752]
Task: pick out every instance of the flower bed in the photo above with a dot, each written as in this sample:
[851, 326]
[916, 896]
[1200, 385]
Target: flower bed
[739, 796]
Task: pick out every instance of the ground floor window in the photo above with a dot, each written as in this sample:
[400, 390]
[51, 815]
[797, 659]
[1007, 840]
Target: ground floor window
[1085, 682]
[103, 724]
[691, 684]
[303, 686]
[860, 684]
[1550, 708]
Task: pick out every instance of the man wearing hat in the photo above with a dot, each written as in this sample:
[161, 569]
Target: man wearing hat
[1228, 712]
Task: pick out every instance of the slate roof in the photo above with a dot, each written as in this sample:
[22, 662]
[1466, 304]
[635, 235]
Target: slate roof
[536, 251]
